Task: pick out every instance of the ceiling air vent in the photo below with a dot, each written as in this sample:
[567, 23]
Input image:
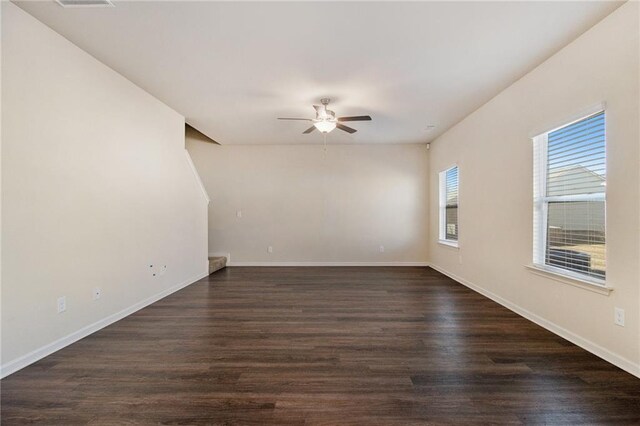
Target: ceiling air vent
[85, 3]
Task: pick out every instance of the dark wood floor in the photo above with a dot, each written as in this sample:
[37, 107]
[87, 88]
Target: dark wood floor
[322, 346]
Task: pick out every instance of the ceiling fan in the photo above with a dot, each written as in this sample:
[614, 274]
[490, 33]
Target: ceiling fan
[326, 120]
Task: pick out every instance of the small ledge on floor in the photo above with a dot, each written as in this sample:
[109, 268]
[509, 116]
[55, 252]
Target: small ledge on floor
[576, 282]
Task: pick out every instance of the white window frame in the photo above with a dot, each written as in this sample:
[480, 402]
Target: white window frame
[442, 200]
[541, 201]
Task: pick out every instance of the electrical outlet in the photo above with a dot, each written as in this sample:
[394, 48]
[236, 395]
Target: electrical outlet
[618, 316]
[270, 249]
[381, 249]
[239, 213]
[62, 304]
[97, 292]
[152, 270]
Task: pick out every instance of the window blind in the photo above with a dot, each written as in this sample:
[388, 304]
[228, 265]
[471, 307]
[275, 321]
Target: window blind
[451, 204]
[574, 199]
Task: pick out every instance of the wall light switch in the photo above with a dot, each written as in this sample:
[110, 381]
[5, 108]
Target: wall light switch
[618, 316]
[270, 249]
[62, 304]
[97, 292]
[381, 249]
[239, 213]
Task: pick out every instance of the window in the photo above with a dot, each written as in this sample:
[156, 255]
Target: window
[449, 206]
[569, 199]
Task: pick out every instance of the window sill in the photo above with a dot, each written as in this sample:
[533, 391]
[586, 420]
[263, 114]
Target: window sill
[565, 279]
[449, 243]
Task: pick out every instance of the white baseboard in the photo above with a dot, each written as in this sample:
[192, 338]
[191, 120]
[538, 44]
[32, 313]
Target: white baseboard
[617, 360]
[19, 363]
[33, 356]
[328, 264]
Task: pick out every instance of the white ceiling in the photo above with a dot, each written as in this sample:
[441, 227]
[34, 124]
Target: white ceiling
[232, 68]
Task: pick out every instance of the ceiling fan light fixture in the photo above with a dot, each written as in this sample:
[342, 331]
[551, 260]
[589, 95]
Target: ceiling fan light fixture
[325, 126]
[326, 120]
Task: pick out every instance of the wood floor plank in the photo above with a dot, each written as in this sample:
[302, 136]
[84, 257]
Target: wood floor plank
[391, 346]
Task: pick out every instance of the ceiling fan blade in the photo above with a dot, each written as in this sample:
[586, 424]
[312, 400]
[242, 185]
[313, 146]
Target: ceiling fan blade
[287, 118]
[309, 130]
[345, 128]
[355, 118]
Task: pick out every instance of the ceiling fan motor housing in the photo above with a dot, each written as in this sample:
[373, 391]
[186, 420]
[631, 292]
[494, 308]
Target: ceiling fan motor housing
[326, 120]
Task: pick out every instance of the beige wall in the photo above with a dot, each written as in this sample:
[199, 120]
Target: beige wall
[95, 188]
[315, 206]
[494, 152]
